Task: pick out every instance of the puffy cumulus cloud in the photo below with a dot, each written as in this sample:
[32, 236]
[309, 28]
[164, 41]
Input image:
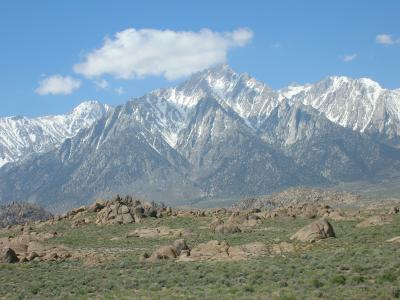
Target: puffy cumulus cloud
[173, 54]
[385, 39]
[58, 84]
[350, 57]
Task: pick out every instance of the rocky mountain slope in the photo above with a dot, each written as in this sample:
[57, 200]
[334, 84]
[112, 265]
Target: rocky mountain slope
[219, 135]
[22, 136]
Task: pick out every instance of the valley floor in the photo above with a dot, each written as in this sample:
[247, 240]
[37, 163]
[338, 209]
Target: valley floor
[358, 264]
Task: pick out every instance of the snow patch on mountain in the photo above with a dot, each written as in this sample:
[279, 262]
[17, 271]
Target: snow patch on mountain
[360, 104]
[21, 136]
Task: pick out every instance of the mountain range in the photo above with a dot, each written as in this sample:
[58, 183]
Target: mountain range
[21, 136]
[216, 137]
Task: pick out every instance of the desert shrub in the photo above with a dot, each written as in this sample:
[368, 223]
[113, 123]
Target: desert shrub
[388, 276]
[358, 279]
[396, 292]
[339, 279]
[316, 283]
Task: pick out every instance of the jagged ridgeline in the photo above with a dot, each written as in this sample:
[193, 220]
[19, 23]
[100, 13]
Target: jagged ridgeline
[217, 137]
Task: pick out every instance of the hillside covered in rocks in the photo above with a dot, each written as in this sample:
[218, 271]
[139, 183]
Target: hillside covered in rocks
[298, 195]
[126, 247]
[22, 212]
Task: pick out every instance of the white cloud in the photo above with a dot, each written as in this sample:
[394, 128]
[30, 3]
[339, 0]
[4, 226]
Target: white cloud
[173, 54]
[350, 57]
[58, 84]
[385, 39]
[120, 90]
[101, 83]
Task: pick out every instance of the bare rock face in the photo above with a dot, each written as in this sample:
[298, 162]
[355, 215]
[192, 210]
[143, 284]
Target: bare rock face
[282, 247]
[376, 221]
[158, 232]
[179, 246]
[394, 210]
[164, 252]
[305, 210]
[80, 223]
[8, 256]
[169, 251]
[237, 222]
[127, 210]
[315, 231]
[29, 246]
[221, 250]
[227, 228]
[247, 251]
[212, 250]
[215, 223]
[246, 219]
[97, 206]
[396, 239]
[295, 197]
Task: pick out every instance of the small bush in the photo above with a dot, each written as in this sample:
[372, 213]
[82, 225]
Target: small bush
[249, 289]
[339, 279]
[388, 277]
[358, 279]
[316, 283]
[396, 292]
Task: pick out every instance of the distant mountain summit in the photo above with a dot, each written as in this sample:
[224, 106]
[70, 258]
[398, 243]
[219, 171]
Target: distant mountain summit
[22, 136]
[218, 136]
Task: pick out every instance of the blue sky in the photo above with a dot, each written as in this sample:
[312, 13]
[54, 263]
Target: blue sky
[278, 42]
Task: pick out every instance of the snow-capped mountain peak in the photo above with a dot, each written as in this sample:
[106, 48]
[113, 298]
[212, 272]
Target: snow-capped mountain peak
[352, 103]
[21, 136]
[360, 104]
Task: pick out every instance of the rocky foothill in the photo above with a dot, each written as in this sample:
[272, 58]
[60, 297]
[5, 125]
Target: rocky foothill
[28, 242]
[297, 196]
[21, 212]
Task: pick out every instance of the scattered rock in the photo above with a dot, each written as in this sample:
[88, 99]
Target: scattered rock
[21, 213]
[297, 196]
[161, 231]
[283, 247]
[32, 256]
[376, 221]
[8, 256]
[80, 223]
[315, 231]
[248, 250]
[212, 250]
[396, 239]
[393, 210]
[127, 210]
[237, 222]
[215, 223]
[221, 250]
[180, 245]
[97, 206]
[170, 251]
[227, 228]
[337, 216]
